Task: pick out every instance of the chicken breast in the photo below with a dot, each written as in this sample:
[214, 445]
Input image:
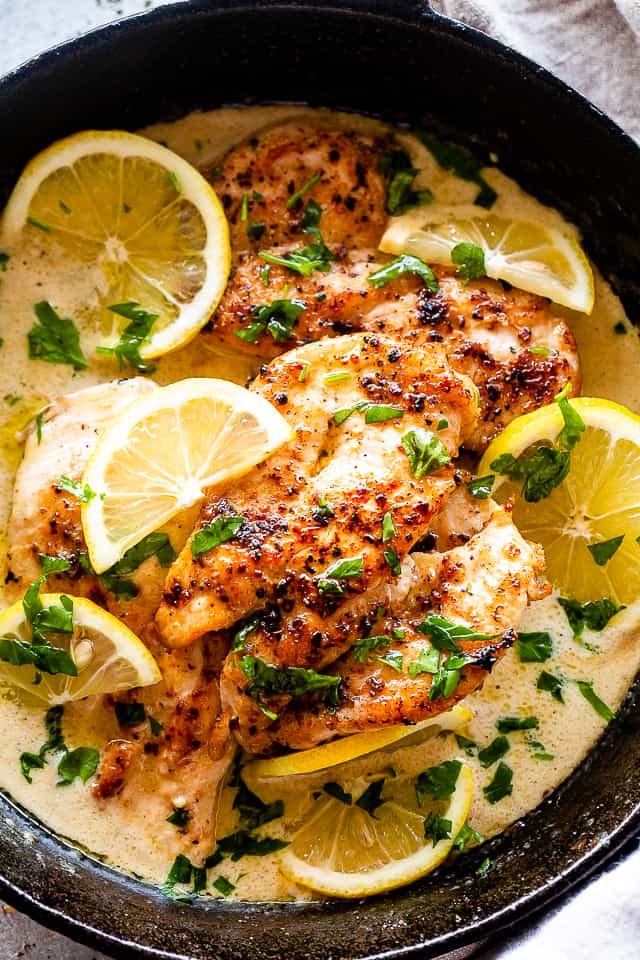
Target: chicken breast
[265, 183]
[484, 586]
[188, 760]
[487, 329]
[324, 495]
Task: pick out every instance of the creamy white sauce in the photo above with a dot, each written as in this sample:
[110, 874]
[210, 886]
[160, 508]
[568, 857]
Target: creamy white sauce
[134, 835]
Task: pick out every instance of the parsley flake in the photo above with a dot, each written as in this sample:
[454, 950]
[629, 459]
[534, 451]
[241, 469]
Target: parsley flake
[603, 551]
[502, 784]
[134, 336]
[278, 318]
[215, 533]
[534, 647]
[438, 782]
[55, 338]
[586, 689]
[469, 260]
[594, 614]
[425, 451]
[405, 263]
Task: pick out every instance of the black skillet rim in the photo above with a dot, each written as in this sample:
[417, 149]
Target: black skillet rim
[540, 894]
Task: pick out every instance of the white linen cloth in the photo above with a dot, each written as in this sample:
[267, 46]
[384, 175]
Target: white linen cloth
[592, 45]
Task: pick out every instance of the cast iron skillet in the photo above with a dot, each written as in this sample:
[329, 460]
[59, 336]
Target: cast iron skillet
[398, 60]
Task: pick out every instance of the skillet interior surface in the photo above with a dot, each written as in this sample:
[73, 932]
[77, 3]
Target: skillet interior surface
[399, 61]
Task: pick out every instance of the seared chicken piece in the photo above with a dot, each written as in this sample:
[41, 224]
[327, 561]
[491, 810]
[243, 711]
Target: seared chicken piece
[484, 585]
[187, 760]
[324, 495]
[338, 169]
[488, 331]
[191, 754]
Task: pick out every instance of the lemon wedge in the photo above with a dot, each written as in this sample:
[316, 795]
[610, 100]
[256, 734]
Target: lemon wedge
[108, 657]
[598, 501]
[160, 454]
[142, 219]
[530, 255]
[344, 849]
[349, 748]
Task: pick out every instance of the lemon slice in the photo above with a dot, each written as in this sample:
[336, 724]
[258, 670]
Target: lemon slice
[161, 453]
[349, 748]
[598, 501]
[108, 656]
[342, 850]
[142, 219]
[534, 256]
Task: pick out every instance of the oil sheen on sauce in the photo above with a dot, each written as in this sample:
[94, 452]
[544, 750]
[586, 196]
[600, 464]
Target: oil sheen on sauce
[132, 833]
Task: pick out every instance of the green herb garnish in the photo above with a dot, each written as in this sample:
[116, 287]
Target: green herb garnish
[425, 451]
[54, 338]
[594, 614]
[534, 647]
[278, 318]
[299, 194]
[367, 645]
[345, 569]
[405, 263]
[605, 549]
[462, 163]
[338, 793]
[315, 256]
[215, 533]
[438, 782]
[480, 487]
[252, 810]
[551, 683]
[371, 799]
[512, 724]
[494, 751]
[396, 166]
[130, 714]
[80, 764]
[223, 885]
[428, 662]
[586, 689]
[134, 335]
[436, 828]
[292, 681]
[469, 260]
[501, 786]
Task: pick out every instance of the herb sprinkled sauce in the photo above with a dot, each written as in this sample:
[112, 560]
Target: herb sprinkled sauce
[540, 710]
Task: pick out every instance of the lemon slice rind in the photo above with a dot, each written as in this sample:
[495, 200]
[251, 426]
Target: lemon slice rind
[350, 748]
[193, 188]
[168, 483]
[395, 873]
[431, 233]
[121, 656]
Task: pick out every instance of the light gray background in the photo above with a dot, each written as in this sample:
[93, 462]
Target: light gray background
[592, 45]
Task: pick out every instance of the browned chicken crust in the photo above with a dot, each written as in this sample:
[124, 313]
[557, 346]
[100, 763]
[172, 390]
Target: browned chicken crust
[361, 469]
[270, 168]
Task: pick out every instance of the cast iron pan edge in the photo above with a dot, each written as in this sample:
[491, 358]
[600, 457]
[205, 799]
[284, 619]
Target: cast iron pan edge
[575, 830]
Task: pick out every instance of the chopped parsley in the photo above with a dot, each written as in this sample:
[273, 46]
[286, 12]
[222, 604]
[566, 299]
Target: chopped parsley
[512, 724]
[304, 373]
[175, 183]
[39, 224]
[438, 782]
[255, 230]
[367, 645]
[347, 568]
[425, 451]
[501, 786]
[484, 868]
[388, 528]
[240, 636]
[373, 412]
[393, 561]
[243, 844]
[311, 218]
[553, 684]
[405, 263]
[130, 714]
[494, 751]
[469, 261]
[594, 614]
[586, 689]
[278, 318]
[338, 793]
[393, 659]
[252, 810]
[38, 422]
[340, 376]
[546, 466]
[53, 744]
[534, 647]
[462, 163]
[605, 549]
[79, 764]
[291, 681]
[428, 662]
[540, 351]
[445, 635]
[323, 512]
[264, 274]
[436, 828]
[400, 174]
[480, 487]
[467, 835]
[315, 256]
[180, 873]
[54, 338]
[223, 885]
[469, 746]
[114, 579]
[371, 799]
[215, 533]
[83, 493]
[4, 260]
[304, 189]
[134, 335]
